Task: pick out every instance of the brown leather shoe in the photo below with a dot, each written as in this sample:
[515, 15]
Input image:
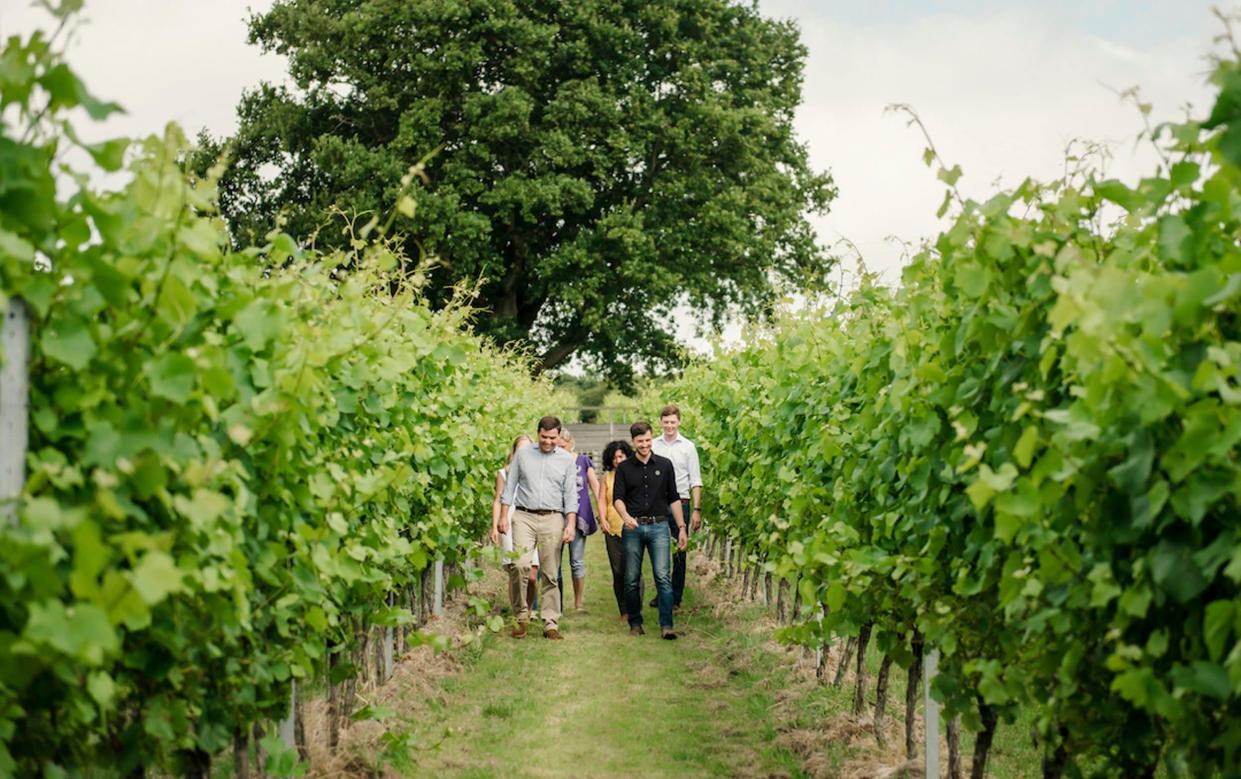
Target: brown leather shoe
[668, 634]
[520, 630]
[636, 630]
[553, 634]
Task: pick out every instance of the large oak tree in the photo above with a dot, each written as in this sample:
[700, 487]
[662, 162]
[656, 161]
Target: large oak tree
[598, 160]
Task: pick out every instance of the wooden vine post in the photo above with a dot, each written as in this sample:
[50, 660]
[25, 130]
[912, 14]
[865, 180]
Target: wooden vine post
[14, 406]
[931, 717]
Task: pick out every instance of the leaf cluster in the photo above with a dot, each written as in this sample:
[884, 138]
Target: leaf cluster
[1026, 454]
[236, 456]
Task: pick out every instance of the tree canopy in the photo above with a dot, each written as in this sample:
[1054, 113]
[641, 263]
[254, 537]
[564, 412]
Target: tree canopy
[594, 163]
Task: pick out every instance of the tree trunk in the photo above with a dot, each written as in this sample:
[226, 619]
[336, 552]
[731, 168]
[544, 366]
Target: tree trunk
[797, 600]
[1056, 759]
[954, 748]
[299, 724]
[859, 691]
[782, 601]
[881, 700]
[197, 764]
[982, 746]
[767, 589]
[745, 579]
[333, 704]
[428, 596]
[911, 697]
[558, 353]
[241, 754]
[843, 668]
[260, 754]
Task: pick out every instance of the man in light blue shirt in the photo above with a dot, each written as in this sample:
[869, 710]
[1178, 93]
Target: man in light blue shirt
[542, 489]
[684, 456]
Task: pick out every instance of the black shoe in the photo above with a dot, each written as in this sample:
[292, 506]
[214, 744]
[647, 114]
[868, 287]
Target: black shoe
[668, 634]
[636, 630]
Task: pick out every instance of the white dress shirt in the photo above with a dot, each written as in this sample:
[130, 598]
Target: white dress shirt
[684, 456]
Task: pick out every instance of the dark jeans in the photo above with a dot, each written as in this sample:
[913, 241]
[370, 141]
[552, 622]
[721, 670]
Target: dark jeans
[616, 558]
[679, 557]
[654, 538]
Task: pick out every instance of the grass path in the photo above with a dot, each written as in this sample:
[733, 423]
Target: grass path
[602, 703]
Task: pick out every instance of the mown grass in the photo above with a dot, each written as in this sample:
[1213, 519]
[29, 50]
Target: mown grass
[602, 703]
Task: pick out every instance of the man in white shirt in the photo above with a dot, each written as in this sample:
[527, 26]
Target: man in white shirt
[684, 456]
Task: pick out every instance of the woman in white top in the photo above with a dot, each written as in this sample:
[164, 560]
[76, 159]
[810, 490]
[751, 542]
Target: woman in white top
[505, 540]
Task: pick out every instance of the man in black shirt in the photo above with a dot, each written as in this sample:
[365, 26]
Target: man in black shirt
[645, 492]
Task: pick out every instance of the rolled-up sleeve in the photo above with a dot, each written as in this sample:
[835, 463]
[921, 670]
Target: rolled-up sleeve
[695, 470]
[568, 488]
[510, 483]
[670, 489]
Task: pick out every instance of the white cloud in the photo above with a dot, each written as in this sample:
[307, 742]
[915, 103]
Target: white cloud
[1001, 89]
[1001, 92]
[184, 61]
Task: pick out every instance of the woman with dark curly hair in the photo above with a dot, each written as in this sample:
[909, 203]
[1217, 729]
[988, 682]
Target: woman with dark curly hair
[614, 454]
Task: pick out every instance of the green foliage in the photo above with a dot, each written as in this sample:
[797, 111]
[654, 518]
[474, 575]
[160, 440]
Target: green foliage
[597, 161]
[1028, 453]
[235, 455]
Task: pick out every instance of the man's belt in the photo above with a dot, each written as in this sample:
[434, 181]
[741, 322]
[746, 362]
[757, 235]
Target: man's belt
[540, 512]
[651, 520]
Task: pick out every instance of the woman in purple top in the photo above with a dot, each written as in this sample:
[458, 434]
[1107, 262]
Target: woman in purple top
[587, 485]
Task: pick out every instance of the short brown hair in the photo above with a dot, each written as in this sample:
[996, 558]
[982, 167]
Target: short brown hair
[550, 423]
[670, 410]
[639, 428]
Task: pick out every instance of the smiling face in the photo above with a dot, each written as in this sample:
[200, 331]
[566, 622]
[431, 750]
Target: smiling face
[642, 445]
[548, 439]
[619, 457]
[671, 424]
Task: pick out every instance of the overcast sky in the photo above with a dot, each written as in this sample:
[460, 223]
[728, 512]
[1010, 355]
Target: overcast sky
[1002, 86]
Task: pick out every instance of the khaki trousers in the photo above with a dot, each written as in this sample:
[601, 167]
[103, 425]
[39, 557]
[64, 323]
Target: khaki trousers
[544, 532]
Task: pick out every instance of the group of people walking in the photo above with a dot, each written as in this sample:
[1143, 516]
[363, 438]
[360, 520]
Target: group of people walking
[649, 500]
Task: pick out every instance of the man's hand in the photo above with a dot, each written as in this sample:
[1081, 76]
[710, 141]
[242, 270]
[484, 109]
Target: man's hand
[569, 533]
[696, 520]
[631, 523]
[682, 539]
[502, 525]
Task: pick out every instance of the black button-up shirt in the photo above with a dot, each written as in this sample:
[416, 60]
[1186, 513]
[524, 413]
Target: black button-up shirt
[647, 489]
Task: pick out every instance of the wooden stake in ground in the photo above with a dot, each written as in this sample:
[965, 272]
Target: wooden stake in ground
[782, 600]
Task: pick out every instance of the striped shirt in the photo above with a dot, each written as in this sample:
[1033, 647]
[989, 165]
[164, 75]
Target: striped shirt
[541, 481]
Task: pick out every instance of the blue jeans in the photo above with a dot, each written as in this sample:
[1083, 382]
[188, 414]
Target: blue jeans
[577, 560]
[653, 537]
